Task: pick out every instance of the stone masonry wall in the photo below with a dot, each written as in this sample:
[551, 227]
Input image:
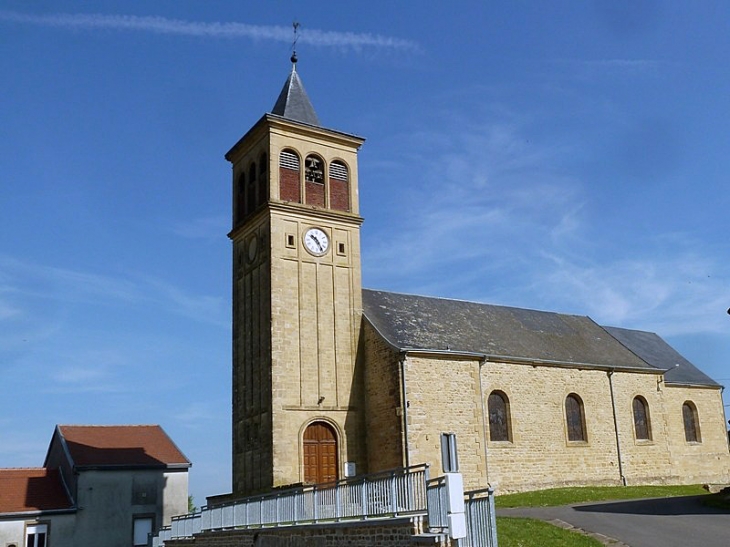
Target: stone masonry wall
[383, 412]
[445, 395]
[383, 533]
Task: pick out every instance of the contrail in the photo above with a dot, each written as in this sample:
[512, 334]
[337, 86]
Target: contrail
[162, 25]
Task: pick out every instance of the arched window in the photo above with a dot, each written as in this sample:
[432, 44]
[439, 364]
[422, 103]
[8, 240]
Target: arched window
[499, 418]
[314, 169]
[339, 186]
[262, 194]
[575, 418]
[320, 453]
[314, 180]
[642, 425]
[691, 422]
[241, 198]
[289, 169]
[251, 189]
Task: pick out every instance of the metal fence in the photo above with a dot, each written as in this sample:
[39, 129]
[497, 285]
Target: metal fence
[400, 492]
[481, 524]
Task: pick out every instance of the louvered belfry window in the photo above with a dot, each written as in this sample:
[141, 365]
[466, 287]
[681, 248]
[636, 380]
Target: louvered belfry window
[289, 177]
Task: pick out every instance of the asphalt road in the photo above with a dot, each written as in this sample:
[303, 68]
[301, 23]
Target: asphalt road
[658, 522]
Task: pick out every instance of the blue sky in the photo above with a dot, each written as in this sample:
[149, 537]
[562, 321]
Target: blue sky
[564, 156]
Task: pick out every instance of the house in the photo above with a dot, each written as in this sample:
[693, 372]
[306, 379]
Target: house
[331, 379]
[104, 485]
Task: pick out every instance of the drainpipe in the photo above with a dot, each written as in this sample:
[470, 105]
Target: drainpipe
[404, 395]
[615, 428]
[482, 362]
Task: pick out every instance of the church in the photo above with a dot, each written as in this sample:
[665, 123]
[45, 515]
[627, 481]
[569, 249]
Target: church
[331, 380]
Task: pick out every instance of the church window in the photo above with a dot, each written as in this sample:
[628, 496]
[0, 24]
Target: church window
[241, 198]
[263, 187]
[289, 169]
[499, 419]
[691, 422]
[339, 186]
[575, 418]
[314, 181]
[251, 189]
[314, 169]
[642, 425]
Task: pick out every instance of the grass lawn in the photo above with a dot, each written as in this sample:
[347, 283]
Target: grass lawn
[566, 496]
[519, 532]
[523, 532]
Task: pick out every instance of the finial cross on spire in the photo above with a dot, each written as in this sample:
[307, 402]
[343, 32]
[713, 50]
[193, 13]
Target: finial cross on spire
[295, 25]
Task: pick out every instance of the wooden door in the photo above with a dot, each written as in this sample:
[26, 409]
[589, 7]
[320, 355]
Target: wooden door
[320, 453]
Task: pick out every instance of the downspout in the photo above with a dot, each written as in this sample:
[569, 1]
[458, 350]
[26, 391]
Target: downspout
[615, 428]
[482, 362]
[404, 395]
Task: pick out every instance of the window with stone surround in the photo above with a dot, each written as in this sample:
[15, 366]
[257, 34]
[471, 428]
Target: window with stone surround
[691, 422]
[499, 417]
[642, 424]
[575, 418]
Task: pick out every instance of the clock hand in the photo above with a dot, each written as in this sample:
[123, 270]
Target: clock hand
[316, 241]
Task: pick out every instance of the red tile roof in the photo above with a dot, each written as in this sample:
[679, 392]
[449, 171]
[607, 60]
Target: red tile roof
[32, 489]
[121, 445]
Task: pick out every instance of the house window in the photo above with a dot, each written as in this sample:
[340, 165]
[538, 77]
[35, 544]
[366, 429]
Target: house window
[642, 426]
[499, 419]
[691, 422]
[575, 418]
[36, 535]
[142, 530]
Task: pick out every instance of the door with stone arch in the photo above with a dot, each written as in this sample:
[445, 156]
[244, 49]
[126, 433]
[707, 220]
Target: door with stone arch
[320, 453]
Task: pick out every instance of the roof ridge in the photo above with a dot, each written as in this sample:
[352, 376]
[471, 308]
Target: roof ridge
[465, 301]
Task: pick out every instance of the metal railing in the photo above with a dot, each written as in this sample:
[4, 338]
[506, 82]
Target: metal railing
[400, 492]
[437, 504]
[481, 524]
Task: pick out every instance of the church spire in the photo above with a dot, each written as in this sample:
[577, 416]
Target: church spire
[293, 102]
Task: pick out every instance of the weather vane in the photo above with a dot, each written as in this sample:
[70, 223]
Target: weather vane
[295, 25]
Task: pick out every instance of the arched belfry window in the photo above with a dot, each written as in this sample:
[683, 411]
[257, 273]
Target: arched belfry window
[314, 180]
[691, 422]
[339, 186]
[241, 197]
[642, 425]
[320, 453]
[251, 189]
[499, 417]
[289, 176]
[575, 418]
[262, 194]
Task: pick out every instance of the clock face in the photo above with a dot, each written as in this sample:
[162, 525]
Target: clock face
[316, 241]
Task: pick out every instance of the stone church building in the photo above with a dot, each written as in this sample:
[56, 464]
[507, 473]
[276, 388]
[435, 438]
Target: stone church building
[331, 379]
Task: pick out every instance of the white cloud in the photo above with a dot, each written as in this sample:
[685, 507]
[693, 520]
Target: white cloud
[163, 25]
[499, 219]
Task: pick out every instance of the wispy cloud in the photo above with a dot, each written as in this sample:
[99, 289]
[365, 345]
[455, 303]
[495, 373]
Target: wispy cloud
[27, 286]
[163, 25]
[503, 219]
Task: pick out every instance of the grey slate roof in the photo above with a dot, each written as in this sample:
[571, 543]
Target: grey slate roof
[411, 322]
[655, 351]
[293, 102]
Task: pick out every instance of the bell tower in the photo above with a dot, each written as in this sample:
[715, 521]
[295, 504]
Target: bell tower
[297, 304]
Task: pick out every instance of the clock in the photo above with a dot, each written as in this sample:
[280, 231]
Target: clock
[316, 241]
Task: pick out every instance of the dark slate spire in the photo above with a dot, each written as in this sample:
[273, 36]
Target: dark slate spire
[293, 102]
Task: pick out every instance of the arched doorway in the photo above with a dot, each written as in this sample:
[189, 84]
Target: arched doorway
[320, 453]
